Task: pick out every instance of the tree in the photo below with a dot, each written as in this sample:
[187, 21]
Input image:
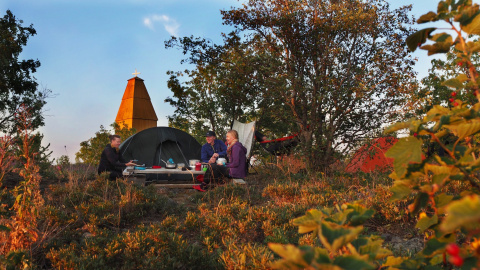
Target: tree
[17, 84]
[335, 70]
[91, 150]
[226, 85]
[63, 160]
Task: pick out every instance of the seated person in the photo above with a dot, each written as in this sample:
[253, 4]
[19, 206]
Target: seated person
[237, 167]
[111, 160]
[213, 148]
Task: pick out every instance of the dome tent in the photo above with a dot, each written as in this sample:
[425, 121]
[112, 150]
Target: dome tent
[151, 146]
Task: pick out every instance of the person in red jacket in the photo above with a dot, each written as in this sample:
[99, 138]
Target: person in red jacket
[111, 160]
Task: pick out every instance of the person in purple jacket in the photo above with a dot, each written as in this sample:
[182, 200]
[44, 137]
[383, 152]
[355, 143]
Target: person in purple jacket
[236, 168]
[236, 153]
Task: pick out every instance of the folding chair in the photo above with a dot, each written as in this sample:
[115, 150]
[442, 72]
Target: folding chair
[246, 135]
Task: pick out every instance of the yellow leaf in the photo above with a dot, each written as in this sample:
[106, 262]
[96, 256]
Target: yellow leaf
[435, 169]
[309, 222]
[468, 129]
[473, 28]
[286, 251]
[392, 261]
[436, 112]
[292, 257]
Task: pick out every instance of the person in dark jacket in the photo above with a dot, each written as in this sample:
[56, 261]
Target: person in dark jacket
[213, 149]
[237, 166]
[111, 160]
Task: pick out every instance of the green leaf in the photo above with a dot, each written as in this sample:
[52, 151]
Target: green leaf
[360, 219]
[466, 14]
[470, 263]
[442, 7]
[406, 150]
[456, 4]
[351, 262]
[418, 38]
[426, 222]
[467, 158]
[440, 172]
[411, 264]
[462, 213]
[439, 179]
[429, 17]
[441, 133]
[444, 120]
[433, 246]
[334, 236]
[400, 190]
[359, 215]
[459, 177]
[4, 228]
[420, 202]
[437, 259]
[321, 256]
[308, 254]
[441, 37]
[442, 199]
[372, 248]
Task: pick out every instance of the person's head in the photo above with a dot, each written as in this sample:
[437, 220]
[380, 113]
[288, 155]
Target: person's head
[210, 136]
[115, 140]
[232, 135]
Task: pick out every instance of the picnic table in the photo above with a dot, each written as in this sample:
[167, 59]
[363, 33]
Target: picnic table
[139, 175]
[131, 170]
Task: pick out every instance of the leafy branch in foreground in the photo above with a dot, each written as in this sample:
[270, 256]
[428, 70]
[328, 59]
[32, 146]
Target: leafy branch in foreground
[449, 218]
[339, 231]
[446, 216]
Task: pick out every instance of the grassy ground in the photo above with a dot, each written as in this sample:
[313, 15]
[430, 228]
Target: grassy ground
[96, 224]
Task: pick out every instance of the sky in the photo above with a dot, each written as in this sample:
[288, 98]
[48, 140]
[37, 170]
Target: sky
[88, 49]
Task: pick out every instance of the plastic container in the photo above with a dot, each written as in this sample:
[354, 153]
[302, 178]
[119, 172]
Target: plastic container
[221, 161]
[193, 162]
[198, 166]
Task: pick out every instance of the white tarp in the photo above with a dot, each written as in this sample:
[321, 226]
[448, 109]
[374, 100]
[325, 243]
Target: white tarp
[246, 134]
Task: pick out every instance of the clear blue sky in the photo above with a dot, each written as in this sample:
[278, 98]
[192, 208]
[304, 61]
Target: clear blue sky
[90, 48]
